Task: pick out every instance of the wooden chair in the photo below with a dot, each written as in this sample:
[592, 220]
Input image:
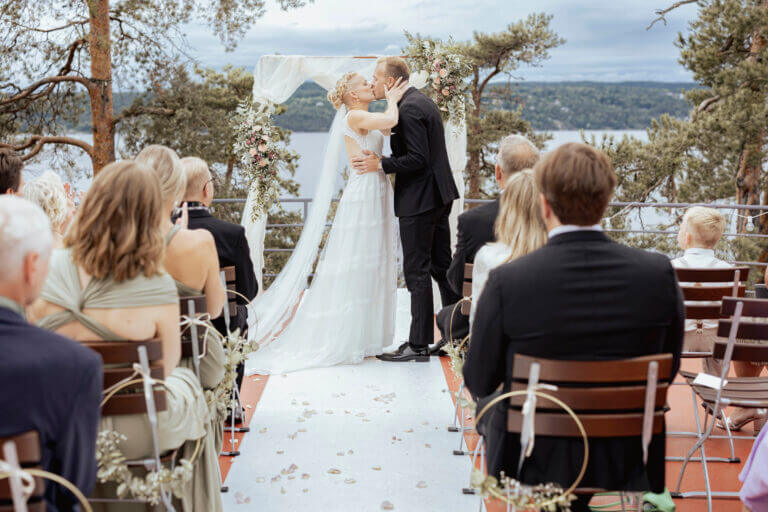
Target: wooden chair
[193, 344]
[132, 400]
[28, 455]
[748, 392]
[466, 289]
[137, 398]
[736, 277]
[620, 398]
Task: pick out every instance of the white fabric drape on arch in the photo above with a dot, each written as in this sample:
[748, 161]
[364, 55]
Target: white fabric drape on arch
[276, 78]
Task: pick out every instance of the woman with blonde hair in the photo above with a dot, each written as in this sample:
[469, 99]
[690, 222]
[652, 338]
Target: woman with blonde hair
[191, 259]
[108, 283]
[48, 192]
[518, 228]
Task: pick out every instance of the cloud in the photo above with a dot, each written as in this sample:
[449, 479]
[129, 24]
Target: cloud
[606, 40]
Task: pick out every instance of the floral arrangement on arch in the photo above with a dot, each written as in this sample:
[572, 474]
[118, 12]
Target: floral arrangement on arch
[258, 152]
[447, 74]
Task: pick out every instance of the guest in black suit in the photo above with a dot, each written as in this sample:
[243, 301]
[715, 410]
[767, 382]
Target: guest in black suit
[11, 180]
[475, 229]
[582, 297]
[48, 383]
[424, 194]
[230, 240]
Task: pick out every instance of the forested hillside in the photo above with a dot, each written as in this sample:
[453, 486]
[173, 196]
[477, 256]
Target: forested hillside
[547, 105]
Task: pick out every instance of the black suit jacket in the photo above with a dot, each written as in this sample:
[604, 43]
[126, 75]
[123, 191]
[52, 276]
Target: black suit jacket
[582, 297]
[51, 384]
[233, 250]
[419, 158]
[475, 229]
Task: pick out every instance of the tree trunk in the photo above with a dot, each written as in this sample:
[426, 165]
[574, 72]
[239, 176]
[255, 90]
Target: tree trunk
[100, 90]
[474, 162]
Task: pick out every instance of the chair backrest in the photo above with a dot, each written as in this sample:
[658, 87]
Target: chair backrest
[229, 278]
[200, 307]
[609, 397]
[747, 329]
[735, 276]
[466, 289]
[29, 456]
[125, 353]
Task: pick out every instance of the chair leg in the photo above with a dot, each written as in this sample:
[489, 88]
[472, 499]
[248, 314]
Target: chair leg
[728, 431]
[454, 426]
[693, 449]
[703, 436]
[460, 450]
[479, 450]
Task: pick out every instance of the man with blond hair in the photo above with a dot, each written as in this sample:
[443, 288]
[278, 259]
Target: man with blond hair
[579, 297]
[424, 194]
[231, 243]
[48, 383]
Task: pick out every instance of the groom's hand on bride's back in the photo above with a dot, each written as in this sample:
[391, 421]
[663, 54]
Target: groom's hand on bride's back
[368, 162]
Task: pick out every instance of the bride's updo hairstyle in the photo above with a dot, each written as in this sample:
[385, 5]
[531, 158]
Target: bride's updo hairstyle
[338, 95]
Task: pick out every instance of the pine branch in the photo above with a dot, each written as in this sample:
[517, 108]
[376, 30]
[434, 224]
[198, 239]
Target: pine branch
[662, 13]
[140, 111]
[36, 142]
[28, 92]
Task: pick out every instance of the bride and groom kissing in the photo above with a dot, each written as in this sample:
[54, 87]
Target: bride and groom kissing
[349, 311]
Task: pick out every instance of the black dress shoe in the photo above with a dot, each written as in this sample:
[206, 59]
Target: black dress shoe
[402, 347]
[408, 353]
[437, 349]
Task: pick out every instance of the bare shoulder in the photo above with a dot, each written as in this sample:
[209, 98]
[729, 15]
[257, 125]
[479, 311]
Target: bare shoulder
[193, 241]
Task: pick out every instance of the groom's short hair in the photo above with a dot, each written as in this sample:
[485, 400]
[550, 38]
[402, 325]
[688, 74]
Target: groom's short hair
[395, 67]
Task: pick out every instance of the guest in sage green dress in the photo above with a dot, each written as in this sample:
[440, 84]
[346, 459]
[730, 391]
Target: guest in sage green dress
[192, 261]
[108, 283]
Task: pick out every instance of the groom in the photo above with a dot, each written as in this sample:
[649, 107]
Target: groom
[424, 194]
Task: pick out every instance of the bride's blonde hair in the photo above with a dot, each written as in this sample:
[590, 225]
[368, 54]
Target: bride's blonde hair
[519, 225]
[337, 95]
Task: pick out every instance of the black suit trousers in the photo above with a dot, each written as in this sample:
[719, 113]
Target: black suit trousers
[426, 240]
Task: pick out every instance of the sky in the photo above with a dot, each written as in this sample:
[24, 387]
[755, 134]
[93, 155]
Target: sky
[606, 41]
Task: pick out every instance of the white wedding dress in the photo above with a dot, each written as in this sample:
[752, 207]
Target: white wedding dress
[348, 313]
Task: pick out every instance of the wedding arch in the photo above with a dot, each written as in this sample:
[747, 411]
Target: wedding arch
[276, 78]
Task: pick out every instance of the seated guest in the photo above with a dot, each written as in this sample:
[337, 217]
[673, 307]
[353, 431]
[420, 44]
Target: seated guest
[190, 258]
[48, 383]
[700, 231]
[582, 297]
[190, 255]
[11, 180]
[475, 229]
[48, 192]
[518, 230]
[108, 284]
[231, 244]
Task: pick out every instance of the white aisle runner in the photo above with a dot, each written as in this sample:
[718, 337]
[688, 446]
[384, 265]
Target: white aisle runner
[350, 438]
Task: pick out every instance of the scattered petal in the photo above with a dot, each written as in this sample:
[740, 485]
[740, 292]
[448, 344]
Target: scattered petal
[350, 452]
[305, 491]
[302, 430]
[376, 468]
[347, 412]
[280, 452]
[292, 436]
[282, 490]
[425, 423]
[301, 420]
[360, 414]
[304, 403]
[329, 411]
[421, 484]
[409, 430]
[276, 478]
[291, 477]
[256, 379]
[366, 420]
[260, 480]
[305, 476]
[248, 406]
[334, 471]
[289, 470]
[349, 481]
[387, 506]
[340, 454]
[428, 445]
[241, 499]
[263, 430]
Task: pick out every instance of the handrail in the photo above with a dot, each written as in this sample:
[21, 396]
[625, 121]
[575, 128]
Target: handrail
[305, 202]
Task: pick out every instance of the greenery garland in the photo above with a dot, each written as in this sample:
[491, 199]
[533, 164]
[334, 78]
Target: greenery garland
[447, 73]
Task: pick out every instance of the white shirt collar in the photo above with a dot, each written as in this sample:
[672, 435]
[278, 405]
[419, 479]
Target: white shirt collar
[570, 228]
[698, 251]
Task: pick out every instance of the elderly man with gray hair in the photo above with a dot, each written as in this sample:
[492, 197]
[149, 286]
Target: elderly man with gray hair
[475, 229]
[48, 383]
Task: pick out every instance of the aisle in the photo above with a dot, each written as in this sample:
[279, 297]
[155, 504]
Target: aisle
[351, 438]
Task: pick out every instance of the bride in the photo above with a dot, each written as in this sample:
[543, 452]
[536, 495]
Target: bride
[348, 313]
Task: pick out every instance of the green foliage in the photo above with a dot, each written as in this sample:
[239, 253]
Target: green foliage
[201, 126]
[719, 152]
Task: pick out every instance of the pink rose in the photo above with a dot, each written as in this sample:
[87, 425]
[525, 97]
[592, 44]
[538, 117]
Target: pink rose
[452, 88]
[443, 72]
[436, 62]
[445, 92]
[262, 147]
[263, 163]
[253, 152]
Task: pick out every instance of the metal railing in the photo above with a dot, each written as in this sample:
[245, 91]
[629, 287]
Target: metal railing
[305, 202]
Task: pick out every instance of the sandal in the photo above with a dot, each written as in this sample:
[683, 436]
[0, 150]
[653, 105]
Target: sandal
[758, 419]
